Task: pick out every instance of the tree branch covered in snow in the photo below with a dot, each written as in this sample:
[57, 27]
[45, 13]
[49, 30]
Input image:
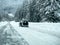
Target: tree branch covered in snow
[37, 10]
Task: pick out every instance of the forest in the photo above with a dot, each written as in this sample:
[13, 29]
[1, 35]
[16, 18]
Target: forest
[35, 11]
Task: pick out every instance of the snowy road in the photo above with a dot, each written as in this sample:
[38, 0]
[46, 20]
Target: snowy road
[9, 36]
[35, 34]
[42, 34]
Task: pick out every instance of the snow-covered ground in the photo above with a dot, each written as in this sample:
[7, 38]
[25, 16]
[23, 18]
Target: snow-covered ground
[9, 36]
[39, 33]
[3, 23]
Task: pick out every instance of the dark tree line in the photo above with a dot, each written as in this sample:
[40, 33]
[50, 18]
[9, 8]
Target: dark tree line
[39, 11]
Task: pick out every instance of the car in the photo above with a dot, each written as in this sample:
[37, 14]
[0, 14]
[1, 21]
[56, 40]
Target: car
[23, 23]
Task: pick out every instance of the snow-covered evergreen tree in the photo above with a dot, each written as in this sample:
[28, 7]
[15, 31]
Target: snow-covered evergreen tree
[40, 10]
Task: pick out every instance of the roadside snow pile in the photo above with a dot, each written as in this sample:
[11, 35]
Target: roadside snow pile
[3, 23]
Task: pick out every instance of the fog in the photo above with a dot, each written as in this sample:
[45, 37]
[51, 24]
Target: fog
[10, 5]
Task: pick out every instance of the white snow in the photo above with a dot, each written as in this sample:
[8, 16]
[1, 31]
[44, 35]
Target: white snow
[3, 23]
[11, 15]
[40, 33]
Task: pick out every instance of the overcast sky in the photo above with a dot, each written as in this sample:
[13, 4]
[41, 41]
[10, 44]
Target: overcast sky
[10, 3]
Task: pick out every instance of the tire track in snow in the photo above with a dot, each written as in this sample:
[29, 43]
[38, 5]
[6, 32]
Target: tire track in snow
[2, 38]
[2, 28]
[18, 36]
